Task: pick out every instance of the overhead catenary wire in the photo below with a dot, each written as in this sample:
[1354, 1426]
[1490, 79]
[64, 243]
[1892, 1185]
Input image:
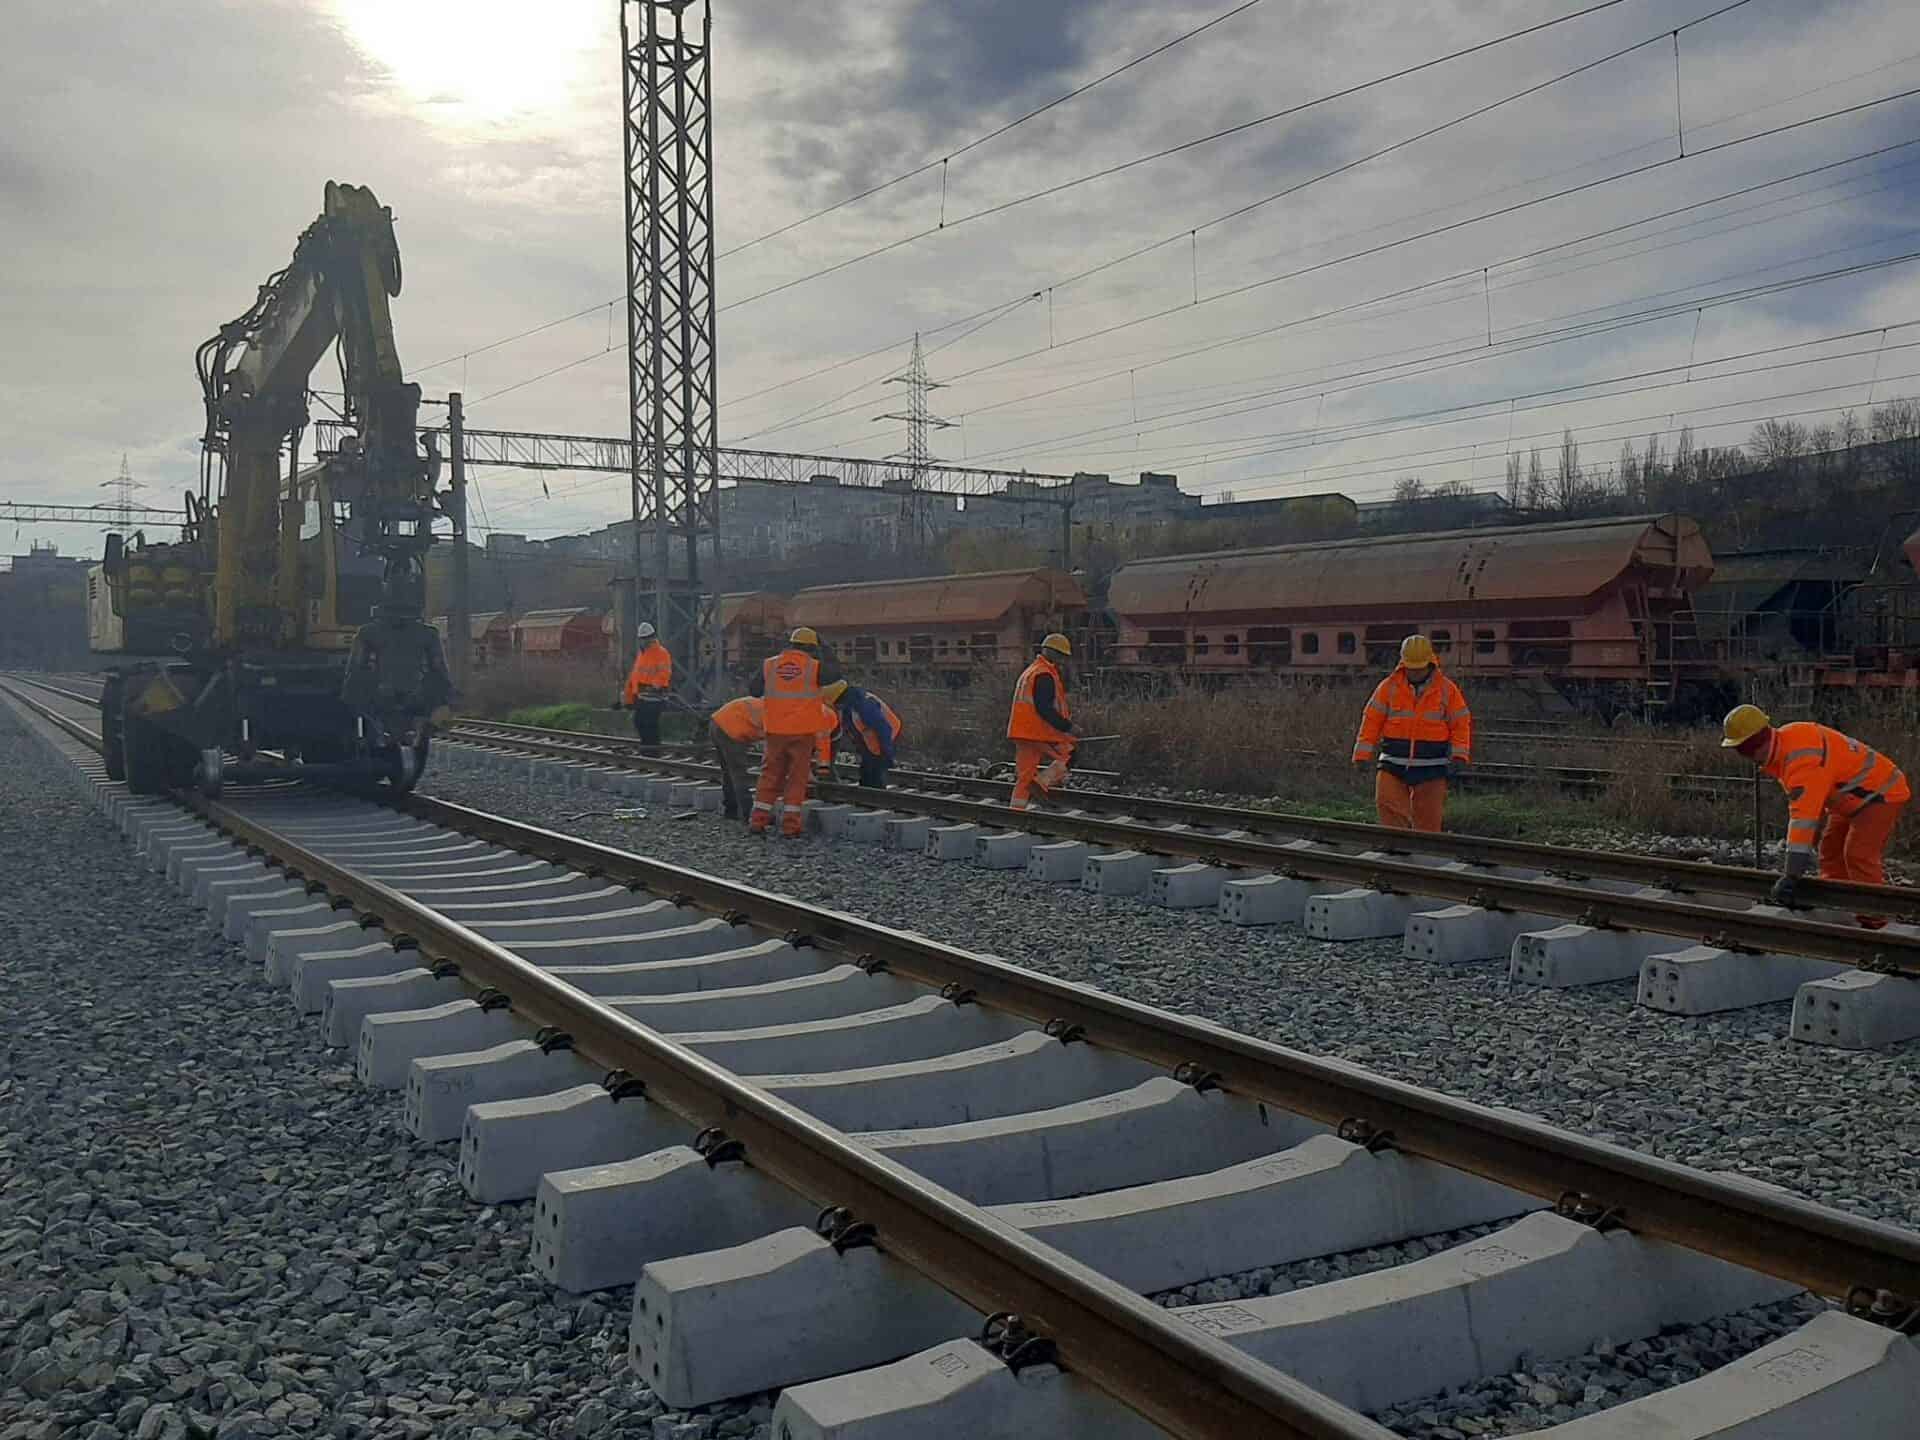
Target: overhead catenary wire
[954, 154]
[1476, 353]
[1370, 302]
[991, 135]
[1700, 127]
[1481, 218]
[1167, 152]
[1107, 172]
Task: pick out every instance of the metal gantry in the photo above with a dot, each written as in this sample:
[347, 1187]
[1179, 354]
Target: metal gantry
[613, 455]
[667, 125]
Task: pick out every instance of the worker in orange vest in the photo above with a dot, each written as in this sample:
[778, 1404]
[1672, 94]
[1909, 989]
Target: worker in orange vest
[792, 684]
[874, 729]
[743, 722]
[1041, 724]
[1843, 797]
[1419, 730]
[732, 728]
[647, 686]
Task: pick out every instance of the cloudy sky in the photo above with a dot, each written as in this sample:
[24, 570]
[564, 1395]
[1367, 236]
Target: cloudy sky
[157, 161]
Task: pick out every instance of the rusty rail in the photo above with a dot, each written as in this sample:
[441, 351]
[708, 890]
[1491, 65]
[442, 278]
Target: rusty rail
[1683, 877]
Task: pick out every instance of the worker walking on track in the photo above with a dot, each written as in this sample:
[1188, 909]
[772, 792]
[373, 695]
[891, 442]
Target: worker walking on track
[1843, 797]
[1418, 728]
[875, 729]
[792, 685]
[647, 686]
[1041, 724]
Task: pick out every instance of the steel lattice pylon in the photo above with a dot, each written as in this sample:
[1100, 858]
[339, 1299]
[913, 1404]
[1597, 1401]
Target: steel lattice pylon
[667, 93]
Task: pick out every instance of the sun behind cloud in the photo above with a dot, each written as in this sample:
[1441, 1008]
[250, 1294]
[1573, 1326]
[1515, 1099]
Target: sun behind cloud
[483, 63]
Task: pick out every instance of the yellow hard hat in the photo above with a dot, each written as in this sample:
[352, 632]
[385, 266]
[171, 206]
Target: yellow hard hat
[834, 691]
[1743, 722]
[1057, 643]
[1416, 650]
[803, 635]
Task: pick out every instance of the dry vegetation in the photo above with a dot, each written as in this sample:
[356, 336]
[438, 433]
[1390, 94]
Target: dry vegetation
[1288, 749]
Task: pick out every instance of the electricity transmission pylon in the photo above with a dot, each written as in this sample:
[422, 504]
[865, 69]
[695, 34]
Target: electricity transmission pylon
[123, 485]
[920, 420]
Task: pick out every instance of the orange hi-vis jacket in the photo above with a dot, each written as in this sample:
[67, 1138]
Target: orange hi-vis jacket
[791, 681]
[867, 736]
[652, 671]
[1825, 772]
[1024, 723]
[1415, 734]
[743, 720]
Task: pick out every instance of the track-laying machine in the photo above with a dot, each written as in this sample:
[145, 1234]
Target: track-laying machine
[283, 629]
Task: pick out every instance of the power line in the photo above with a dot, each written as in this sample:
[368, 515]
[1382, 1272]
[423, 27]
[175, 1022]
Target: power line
[1352, 307]
[995, 134]
[1243, 126]
[1162, 154]
[922, 169]
[1497, 406]
[1699, 128]
[1524, 341]
[1478, 351]
[1457, 225]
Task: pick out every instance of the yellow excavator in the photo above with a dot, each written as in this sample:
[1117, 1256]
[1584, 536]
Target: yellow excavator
[284, 626]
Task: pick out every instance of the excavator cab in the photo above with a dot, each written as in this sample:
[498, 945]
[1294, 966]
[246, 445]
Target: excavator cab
[290, 611]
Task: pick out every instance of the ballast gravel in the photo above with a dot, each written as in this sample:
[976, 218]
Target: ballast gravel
[1725, 1092]
[209, 1228]
[1728, 1092]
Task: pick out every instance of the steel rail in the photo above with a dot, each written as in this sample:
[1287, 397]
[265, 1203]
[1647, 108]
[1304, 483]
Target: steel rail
[1176, 1375]
[65, 723]
[1566, 777]
[53, 689]
[1679, 876]
[1815, 1246]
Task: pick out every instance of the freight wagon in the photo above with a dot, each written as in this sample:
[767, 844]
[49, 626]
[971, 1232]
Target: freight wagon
[946, 625]
[1595, 607]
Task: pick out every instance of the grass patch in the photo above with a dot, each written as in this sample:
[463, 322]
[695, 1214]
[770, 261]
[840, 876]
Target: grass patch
[571, 715]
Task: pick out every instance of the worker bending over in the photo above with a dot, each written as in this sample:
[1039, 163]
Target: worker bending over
[791, 685]
[1417, 726]
[873, 728]
[647, 686]
[732, 728]
[1843, 797]
[1041, 724]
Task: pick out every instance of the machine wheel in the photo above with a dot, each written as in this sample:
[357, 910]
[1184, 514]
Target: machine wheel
[145, 749]
[112, 744]
[409, 763]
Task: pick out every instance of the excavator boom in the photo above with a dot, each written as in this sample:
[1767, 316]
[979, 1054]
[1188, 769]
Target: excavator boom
[295, 595]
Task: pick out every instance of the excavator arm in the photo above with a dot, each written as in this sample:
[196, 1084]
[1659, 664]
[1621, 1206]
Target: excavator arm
[254, 376]
[285, 662]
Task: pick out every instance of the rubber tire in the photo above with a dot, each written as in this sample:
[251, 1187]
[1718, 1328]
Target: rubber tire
[113, 752]
[145, 749]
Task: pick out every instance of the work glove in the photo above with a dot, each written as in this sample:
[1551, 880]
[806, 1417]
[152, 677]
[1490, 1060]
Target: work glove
[1784, 889]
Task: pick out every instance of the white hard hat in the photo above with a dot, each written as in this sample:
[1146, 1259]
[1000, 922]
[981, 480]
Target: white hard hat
[646, 631]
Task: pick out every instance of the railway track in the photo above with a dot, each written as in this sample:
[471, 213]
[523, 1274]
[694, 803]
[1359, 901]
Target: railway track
[1697, 938]
[658, 1059]
[1489, 773]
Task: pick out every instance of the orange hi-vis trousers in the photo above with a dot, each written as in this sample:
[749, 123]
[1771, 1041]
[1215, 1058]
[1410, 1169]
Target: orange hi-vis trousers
[1039, 765]
[1409, 807]
[1853, 847]
[783, 776]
